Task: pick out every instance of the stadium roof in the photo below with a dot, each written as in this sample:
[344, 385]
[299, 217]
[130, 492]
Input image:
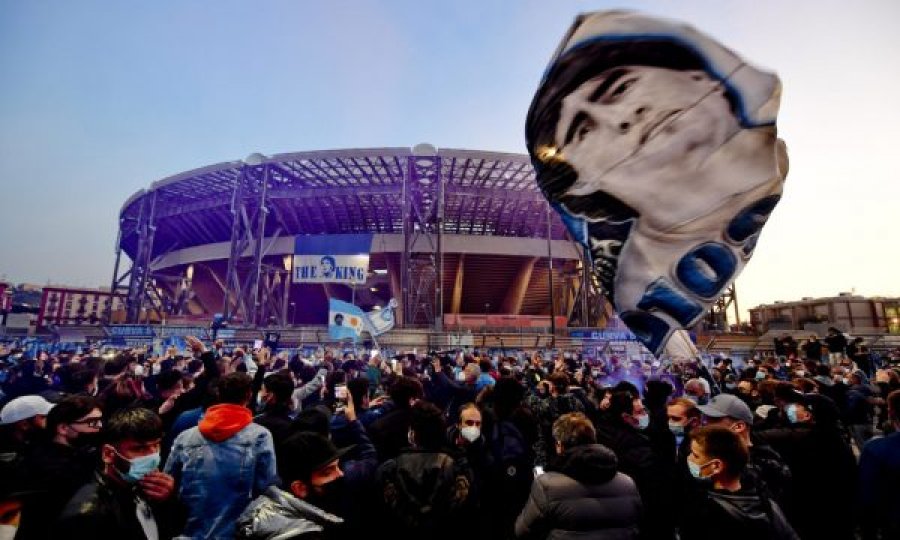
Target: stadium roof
[345, 191]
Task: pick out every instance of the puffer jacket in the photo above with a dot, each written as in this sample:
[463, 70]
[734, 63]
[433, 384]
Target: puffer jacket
[583, 497]
[278, 514]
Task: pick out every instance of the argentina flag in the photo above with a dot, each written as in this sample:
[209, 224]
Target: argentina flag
[345, 320]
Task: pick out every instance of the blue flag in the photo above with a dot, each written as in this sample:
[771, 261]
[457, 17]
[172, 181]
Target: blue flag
[345, 320]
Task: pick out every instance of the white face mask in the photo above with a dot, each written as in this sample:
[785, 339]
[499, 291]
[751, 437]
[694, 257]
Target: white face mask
[470, 433]
[410, 438]
[7, 532]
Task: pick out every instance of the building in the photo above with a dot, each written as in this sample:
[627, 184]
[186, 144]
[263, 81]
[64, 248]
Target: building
[848, 312]
[65, 306]
[460, 238]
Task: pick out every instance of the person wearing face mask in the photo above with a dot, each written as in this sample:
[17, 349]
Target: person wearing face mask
[621, 429]
[312, 479]
[683, 416]
[582, 494]
[128, 498]
[275, 406]
[697, 390]
[467, 438]
[722, 506]
[427, 489]
[765, 467]
[822, 464]
[64, 461]
[22, 422]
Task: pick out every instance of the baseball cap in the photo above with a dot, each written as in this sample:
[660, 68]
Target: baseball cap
[727, 405]
[24, 407]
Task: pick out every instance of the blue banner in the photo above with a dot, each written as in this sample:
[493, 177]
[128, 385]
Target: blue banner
[333, 244]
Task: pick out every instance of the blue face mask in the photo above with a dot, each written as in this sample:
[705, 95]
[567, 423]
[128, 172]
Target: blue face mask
[760, 375]
[695, 469]
[677, 429]
[140, 467]
[643, 421]
[791, 413]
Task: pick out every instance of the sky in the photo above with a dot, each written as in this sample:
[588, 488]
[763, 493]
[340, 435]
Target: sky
[100, 99]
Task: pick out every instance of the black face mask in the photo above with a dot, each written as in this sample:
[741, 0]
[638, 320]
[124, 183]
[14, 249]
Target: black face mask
[330, 497]
[87, 441]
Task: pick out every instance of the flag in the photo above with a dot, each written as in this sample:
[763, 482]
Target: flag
[658, 148]
[345, 320]
[382, 320]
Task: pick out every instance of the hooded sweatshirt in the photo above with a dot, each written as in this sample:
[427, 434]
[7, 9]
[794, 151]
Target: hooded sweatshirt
[222, 422]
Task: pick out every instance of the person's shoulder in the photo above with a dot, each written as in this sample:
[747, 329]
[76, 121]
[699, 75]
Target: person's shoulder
[85, 501]
[189, 437]
[256, 432]
[881, 446]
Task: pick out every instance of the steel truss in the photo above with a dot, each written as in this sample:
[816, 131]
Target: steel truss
[717, 319]
[251, 289]
[421, 264]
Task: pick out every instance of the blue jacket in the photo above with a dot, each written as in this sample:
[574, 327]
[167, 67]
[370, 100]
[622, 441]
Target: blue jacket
[879, 498]
[217, 480]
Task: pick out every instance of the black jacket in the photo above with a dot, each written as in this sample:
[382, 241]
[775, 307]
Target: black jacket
[277, 419]
[457, 394]
[824, 478]
[768, 471]
[104, 509]
[743, 515]
[651, 474]
[426, 495]
[583, 497]
[390, 433]
[58, 471]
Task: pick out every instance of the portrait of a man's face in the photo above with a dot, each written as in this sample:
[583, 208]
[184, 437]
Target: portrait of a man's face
[658, 147]
[327, 266]
[638, 132]
[339, 320]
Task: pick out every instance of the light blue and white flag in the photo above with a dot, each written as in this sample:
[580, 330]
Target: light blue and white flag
[345, 320]
[382, 320]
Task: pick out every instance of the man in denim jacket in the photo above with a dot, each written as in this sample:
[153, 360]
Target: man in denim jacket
[222, 464]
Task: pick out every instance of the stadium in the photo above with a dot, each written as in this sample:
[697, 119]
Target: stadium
[460, 238]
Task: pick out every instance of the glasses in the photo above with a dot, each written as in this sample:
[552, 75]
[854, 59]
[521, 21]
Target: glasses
[90, 422]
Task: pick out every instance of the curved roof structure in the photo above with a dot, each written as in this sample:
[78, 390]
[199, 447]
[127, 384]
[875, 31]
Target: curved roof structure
[345, 191]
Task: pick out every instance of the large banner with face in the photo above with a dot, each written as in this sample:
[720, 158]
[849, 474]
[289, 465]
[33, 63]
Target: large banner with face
[342, 258]
[658, 148]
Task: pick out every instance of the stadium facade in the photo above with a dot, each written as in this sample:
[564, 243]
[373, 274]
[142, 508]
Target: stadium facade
[457, 237]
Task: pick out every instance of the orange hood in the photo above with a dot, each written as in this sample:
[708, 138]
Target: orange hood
[221, 422]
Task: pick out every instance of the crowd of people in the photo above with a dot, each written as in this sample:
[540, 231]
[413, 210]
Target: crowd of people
[217, 443]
